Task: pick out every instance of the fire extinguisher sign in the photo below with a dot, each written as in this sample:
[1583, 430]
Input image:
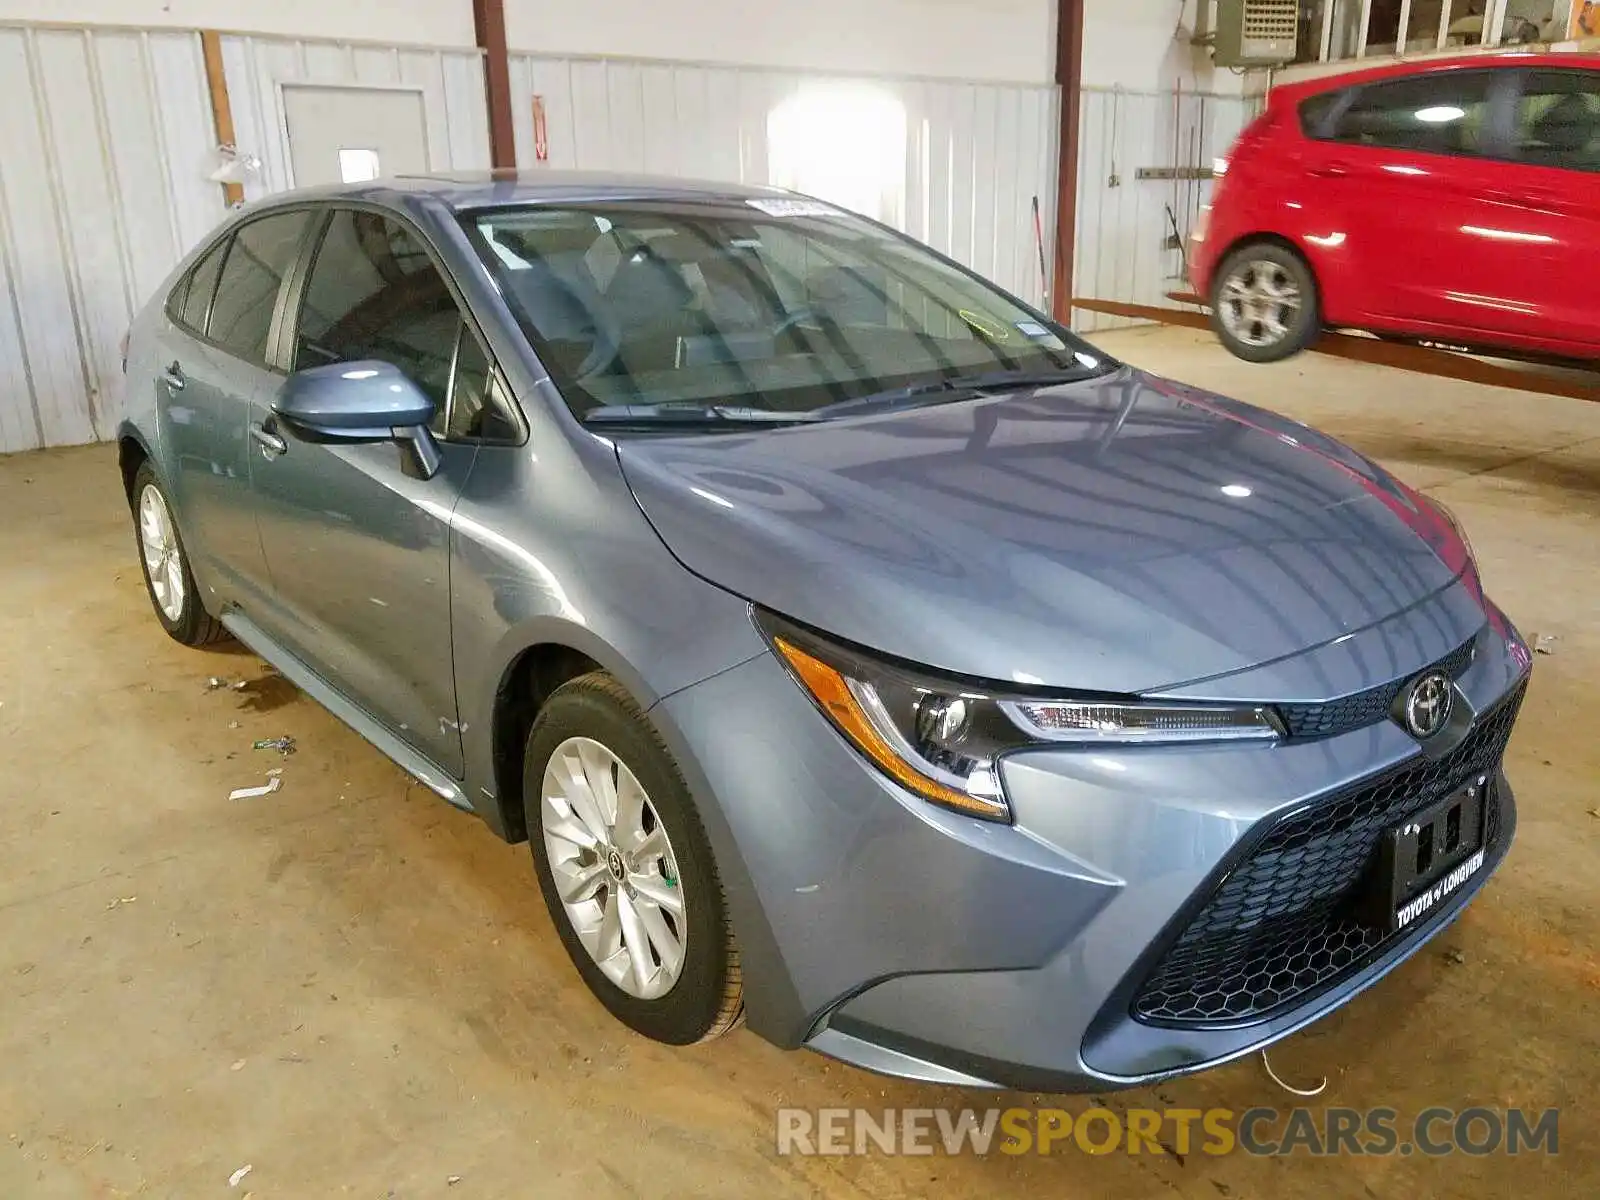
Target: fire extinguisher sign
[541, 136]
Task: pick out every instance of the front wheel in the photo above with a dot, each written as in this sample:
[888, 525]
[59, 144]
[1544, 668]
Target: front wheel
[625, 867]
[1264, 303]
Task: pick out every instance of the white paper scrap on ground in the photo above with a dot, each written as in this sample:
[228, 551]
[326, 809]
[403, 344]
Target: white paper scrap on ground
[265, 789]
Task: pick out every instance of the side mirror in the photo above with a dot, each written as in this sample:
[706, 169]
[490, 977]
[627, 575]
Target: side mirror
[366, 401]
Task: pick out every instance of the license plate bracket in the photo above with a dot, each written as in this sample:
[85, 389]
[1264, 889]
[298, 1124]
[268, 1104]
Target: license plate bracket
[1428, 857]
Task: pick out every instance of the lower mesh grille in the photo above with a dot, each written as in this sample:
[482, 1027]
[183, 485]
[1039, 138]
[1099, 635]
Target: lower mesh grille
[1284, 921]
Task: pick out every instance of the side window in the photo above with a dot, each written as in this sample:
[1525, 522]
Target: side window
[374, 293]
[201, 284]
[1436, 114]
[479, 408]
[258, 258]
[1558, 120]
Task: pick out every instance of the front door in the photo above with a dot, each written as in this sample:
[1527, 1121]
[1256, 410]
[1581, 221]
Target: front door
[358, 548]
[1543, 237]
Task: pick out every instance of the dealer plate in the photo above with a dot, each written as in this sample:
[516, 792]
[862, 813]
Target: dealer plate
[1428, 858]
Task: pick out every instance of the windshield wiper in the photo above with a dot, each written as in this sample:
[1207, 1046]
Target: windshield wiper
[690, 415]
[954, 387]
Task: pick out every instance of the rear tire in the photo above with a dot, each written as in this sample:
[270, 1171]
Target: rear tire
[1264, 303]
[625, 866]
[167, 578]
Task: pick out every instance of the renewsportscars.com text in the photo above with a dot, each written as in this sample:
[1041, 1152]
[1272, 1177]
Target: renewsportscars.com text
[1318, 1132]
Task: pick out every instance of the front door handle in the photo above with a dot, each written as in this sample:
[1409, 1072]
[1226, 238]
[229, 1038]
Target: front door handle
[1334, 170]
[271, 444]
[173, 377]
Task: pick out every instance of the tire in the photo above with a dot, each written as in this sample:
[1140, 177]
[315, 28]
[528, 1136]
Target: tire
[583, 722]
[1264, 303]
[166, 570]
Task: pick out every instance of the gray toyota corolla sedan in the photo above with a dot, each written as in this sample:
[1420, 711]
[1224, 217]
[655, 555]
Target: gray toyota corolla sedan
[860, 653]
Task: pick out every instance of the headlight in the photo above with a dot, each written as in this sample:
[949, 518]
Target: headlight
[942, 738]
[1450, 518]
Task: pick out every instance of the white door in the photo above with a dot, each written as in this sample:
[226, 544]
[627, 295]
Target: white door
[348, 134]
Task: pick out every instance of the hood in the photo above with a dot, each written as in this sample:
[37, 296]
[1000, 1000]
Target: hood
[1123, 534]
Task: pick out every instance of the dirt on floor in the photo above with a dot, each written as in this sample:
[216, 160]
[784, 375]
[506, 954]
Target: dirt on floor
[352, 989]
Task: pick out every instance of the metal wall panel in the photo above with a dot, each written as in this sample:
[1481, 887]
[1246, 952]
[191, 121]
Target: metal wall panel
[977, 154]
[104, 140]
[1123, 248]
[451, 82]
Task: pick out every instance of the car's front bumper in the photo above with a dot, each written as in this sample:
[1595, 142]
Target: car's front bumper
[914, 941]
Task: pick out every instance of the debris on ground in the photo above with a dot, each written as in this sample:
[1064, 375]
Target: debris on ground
[1321, 1087]
[233, 1180]
[241, 685]
[1544, 643]
[1453, 955]
[284, 745]
[216, 682]
[275, 771]
[1594, 812]
[272, 785]
[233, 724]
[238, 1065]
[452, 1180]
[121, 902]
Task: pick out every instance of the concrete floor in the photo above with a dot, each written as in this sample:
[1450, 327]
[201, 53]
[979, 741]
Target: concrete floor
[355, 989]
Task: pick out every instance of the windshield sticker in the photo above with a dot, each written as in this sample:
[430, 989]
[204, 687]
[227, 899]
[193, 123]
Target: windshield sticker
[1033, 329]
[775, 207]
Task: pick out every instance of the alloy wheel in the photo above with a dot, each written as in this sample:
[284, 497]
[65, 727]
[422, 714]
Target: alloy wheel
[613, 867]
[1259, 302]
[163, 558]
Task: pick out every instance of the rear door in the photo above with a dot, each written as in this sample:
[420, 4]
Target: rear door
[1547, 203]
[358, 546]
[213, 365]
[1402, 168]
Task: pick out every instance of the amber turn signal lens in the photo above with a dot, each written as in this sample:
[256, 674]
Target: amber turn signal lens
[832, 692]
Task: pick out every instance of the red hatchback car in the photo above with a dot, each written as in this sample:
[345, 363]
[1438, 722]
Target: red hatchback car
[1454, 201]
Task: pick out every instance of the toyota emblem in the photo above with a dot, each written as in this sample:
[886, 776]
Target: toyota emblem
[1428, 704]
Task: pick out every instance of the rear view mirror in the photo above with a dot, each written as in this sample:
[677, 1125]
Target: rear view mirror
[367, 401]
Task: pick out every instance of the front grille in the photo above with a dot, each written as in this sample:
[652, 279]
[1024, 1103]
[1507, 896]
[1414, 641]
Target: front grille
[1286, 920]
[1364, 708]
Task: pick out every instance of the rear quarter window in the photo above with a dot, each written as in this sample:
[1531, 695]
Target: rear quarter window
[190, 301]
[1314, 112]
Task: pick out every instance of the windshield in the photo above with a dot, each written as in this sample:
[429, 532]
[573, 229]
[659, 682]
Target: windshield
[754, 307]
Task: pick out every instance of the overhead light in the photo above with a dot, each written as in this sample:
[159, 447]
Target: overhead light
[1440, 114]
[1237, 490]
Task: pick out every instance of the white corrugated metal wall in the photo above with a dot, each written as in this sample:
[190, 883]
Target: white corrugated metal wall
[977, 153]
[106, 141]
[104, 138]
[451, 82]
[1123, 224]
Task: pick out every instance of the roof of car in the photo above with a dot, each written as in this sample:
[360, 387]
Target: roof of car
[1427, 66]
[485, 189]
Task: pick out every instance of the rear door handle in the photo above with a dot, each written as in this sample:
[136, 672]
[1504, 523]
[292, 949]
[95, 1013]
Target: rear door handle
[271, 444]
[173, 377]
